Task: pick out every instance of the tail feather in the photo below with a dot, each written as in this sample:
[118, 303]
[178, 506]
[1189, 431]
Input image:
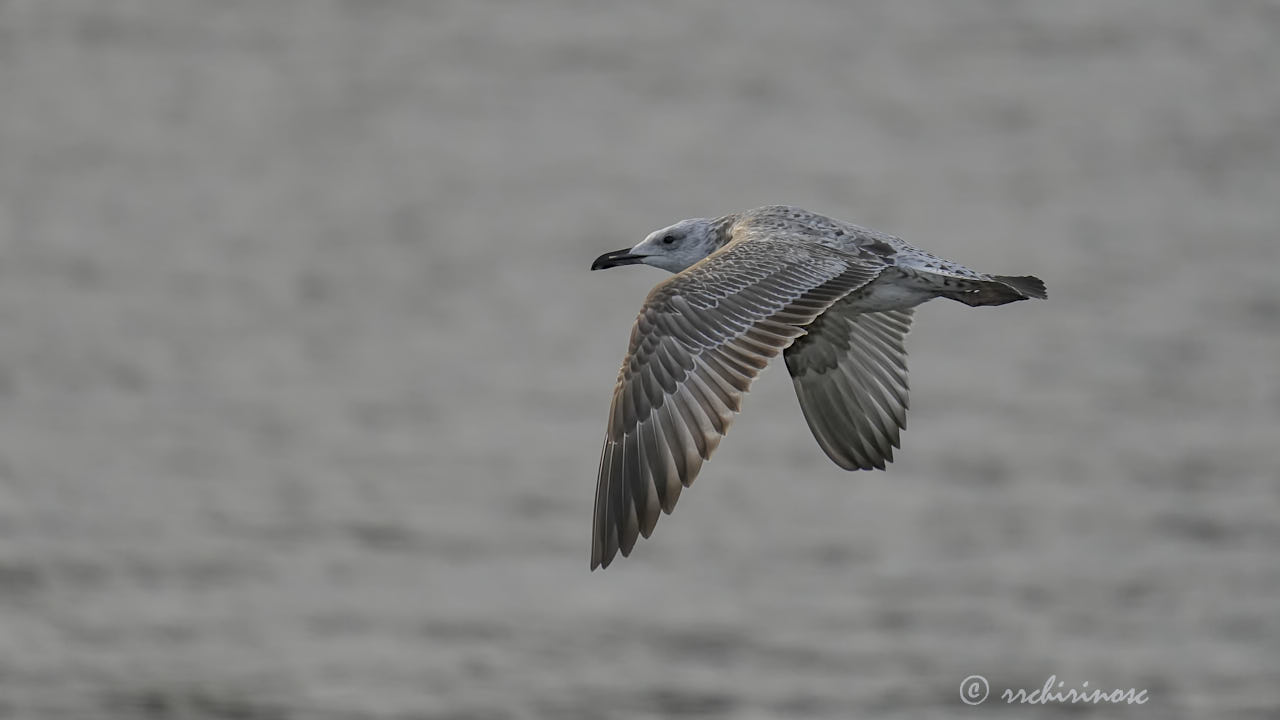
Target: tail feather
[1002, 289]
[1028, 285]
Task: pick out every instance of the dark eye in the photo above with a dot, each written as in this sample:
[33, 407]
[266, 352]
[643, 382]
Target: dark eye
[668, 239]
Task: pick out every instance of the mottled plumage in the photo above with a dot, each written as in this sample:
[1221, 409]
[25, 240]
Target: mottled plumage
[835, 298]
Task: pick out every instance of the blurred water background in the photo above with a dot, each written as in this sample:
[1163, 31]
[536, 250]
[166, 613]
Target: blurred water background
[303, 375]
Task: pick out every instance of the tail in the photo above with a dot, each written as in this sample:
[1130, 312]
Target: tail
[1001, 289]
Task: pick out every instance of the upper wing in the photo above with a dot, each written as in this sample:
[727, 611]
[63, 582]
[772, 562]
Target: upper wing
[701, 338]
[850, 373]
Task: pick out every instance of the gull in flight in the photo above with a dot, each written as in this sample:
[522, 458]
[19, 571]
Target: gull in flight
[835, 298]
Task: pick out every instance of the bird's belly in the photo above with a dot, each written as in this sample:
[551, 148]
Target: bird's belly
[891, 291]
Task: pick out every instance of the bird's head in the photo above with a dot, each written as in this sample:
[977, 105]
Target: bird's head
[671, 248]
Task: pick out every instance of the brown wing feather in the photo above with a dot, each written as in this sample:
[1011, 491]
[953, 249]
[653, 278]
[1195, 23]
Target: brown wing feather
[850, 374]
[700, 339]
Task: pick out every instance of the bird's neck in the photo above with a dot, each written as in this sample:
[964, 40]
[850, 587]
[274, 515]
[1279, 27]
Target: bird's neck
[722, 230]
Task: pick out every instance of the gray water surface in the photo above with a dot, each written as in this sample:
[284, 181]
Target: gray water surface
[303, 375]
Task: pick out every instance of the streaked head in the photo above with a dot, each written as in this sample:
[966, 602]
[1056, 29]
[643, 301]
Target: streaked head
[672, 248]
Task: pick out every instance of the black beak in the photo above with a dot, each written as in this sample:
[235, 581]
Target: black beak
[616, 258]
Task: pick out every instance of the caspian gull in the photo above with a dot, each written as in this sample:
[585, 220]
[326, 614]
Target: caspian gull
[835, 298]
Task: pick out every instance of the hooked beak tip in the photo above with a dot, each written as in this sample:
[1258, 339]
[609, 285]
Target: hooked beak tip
[616, 258]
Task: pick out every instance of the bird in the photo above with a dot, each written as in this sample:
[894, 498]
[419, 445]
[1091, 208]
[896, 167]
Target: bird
[836, 299]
